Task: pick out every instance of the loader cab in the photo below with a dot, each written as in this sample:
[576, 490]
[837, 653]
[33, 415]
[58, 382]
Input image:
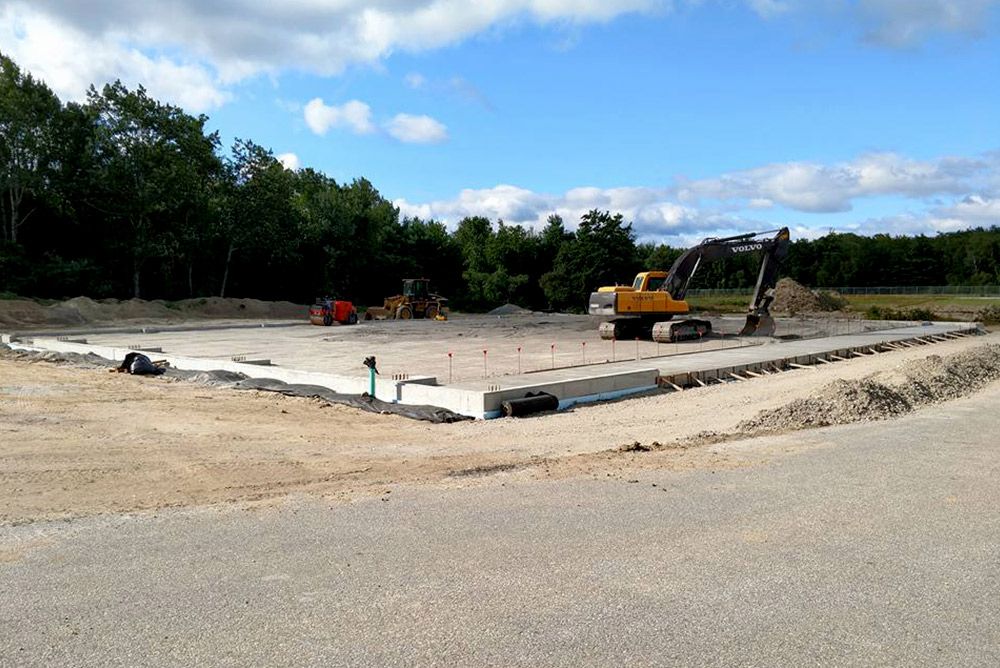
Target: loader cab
[416, 288]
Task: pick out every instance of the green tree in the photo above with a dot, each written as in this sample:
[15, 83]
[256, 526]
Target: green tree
[603, 252]
[148, 154]
[257, 216]
[29, 114]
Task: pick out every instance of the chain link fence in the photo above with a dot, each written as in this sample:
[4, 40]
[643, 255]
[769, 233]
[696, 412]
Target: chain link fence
[974, 290]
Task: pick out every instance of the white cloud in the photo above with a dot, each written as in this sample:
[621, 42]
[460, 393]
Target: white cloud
[190, 51]
[71, 44]
[768, 8]
[353, 115]
[356, 116]
[652, 215]
[289, 160]
[894, 23]
[901, 23]
[412, 129]
[684, 213]
[818, 188]
[69, 61]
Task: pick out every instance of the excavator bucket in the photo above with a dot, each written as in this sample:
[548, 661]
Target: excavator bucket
[758, 325]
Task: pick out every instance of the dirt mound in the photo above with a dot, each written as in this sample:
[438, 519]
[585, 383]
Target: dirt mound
[509, 309]
[793, 297]
[884, 395]
[218, 307]
[22, 313]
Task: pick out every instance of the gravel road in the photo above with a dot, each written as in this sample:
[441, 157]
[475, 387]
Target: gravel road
[869, 544]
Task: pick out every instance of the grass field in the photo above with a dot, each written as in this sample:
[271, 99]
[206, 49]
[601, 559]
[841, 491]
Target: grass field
[941, 307]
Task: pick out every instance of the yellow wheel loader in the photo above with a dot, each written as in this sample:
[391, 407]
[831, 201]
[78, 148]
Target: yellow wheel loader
[416, 302]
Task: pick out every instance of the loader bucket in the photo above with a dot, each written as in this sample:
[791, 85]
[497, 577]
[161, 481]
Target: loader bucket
[377, 313]
[758, 325]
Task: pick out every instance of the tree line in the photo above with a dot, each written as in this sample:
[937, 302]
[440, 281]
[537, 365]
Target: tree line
[126, 196]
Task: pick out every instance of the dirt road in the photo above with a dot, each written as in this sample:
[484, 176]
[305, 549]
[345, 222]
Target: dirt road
[76, 442]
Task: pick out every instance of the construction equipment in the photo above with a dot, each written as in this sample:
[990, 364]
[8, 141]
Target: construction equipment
[645, 309]
[326, 311]
[417, 301]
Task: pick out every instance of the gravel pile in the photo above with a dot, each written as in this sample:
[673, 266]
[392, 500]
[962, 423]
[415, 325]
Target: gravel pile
[793, 297]
[885, 395]
[509, 309]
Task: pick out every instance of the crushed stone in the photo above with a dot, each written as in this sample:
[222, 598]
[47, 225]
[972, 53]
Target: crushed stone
[509, 309]
[883, 395]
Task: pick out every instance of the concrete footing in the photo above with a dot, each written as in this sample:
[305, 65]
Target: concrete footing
[600, 382]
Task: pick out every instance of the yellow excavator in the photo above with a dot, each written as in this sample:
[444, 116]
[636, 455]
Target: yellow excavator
[646, 308]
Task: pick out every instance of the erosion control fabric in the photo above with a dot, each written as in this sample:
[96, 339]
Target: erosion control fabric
[240, 381]
[363, 401]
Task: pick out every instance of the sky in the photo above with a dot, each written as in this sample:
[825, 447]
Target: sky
[692, 118]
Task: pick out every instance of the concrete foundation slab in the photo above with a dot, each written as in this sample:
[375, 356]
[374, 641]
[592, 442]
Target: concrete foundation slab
[687, 366]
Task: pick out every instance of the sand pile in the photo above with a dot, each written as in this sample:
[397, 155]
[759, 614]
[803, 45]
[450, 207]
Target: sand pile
[793, 297]
[885, 395]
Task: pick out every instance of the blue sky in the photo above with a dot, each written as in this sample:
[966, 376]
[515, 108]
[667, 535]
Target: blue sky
[691, 117]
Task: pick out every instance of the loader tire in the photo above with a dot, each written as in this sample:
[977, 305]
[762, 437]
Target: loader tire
[404, 313]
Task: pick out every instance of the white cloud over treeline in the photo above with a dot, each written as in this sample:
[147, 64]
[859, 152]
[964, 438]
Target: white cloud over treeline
[947, 193]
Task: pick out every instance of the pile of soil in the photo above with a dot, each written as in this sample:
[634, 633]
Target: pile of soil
[509, 309]
[21, 313]
[930, 380]
[792, 297]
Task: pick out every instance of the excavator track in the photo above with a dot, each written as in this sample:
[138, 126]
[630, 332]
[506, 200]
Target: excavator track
[682, 330]
[626, 329]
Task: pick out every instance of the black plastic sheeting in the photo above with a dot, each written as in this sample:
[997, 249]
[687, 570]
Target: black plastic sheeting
[240, 381]
[533, 402]
[138, 364]
[363, 402]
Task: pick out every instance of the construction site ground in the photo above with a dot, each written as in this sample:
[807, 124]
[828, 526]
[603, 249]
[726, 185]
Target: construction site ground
[226, 527]
[80, 441]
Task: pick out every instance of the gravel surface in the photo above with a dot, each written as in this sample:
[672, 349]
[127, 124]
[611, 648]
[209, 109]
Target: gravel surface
[865, 544]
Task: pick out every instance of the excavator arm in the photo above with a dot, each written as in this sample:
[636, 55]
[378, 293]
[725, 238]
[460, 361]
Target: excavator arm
[773, 250]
